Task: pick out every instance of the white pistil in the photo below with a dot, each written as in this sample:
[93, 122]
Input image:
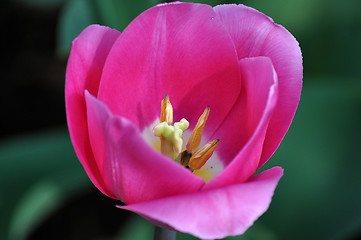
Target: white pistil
[179, 128]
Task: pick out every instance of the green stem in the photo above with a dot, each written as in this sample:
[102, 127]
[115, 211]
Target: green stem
[163, 234]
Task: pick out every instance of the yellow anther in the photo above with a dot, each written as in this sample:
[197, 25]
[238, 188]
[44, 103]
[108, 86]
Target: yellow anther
[199, 158]
[196, 136]
[166, 113]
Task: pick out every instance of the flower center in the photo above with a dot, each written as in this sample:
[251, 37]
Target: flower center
[171, 138]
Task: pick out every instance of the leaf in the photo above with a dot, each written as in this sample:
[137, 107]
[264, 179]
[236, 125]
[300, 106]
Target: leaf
[76, 15]
[137, 228]
[37, 174]
[319, 194]
[42, 199]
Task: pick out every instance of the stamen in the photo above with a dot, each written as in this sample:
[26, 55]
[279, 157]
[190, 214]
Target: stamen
[166, 113]
[171, 141]
[199, 158]
[196, 136]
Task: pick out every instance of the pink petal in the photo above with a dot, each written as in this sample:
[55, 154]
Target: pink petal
[216, 213]
[88, 53]
[131, 168]
[246, 126]
[255, 34]
[179, 49]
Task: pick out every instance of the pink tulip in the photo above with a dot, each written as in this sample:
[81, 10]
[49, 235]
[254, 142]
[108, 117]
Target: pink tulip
[231, 57]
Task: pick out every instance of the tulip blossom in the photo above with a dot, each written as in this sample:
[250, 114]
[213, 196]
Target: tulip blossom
[174, 115]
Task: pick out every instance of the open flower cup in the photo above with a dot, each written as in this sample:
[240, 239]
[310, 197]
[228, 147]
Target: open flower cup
[232, 58]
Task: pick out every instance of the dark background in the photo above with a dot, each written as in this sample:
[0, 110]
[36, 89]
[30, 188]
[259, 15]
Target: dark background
[44, 192]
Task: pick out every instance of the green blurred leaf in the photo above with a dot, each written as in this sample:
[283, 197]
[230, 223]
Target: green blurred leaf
[37, 173]
[319, 196]
[42, 199]
[78, 14]
[119, 13]
[136, 229]
[32, 208]
[297, 16]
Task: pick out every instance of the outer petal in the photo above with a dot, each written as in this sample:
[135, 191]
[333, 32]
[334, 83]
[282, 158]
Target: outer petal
[180, 49]
[132, 169]
[247, 123]
[216, 213]
[255, 34]
[85, 65]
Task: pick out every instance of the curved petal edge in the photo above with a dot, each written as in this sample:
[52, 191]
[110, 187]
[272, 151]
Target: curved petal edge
[255, 34]
[243, 131]
[216, 213]
[87, 57]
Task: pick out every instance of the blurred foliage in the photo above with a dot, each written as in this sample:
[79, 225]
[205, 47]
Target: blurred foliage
[318, 197]
[37, 174]
[328, 30]
[78, 14]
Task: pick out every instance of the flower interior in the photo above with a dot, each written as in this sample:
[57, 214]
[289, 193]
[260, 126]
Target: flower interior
[170, 142]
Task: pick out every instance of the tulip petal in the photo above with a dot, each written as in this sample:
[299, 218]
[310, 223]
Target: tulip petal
[179, 49]
[254, 34]
[88, 53]
[131, 168]
[246, 126]
[215, 213]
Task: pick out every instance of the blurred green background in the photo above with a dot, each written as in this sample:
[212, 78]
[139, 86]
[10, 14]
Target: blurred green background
[44, 192]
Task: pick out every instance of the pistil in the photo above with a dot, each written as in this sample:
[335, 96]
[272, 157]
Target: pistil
[171, 137]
